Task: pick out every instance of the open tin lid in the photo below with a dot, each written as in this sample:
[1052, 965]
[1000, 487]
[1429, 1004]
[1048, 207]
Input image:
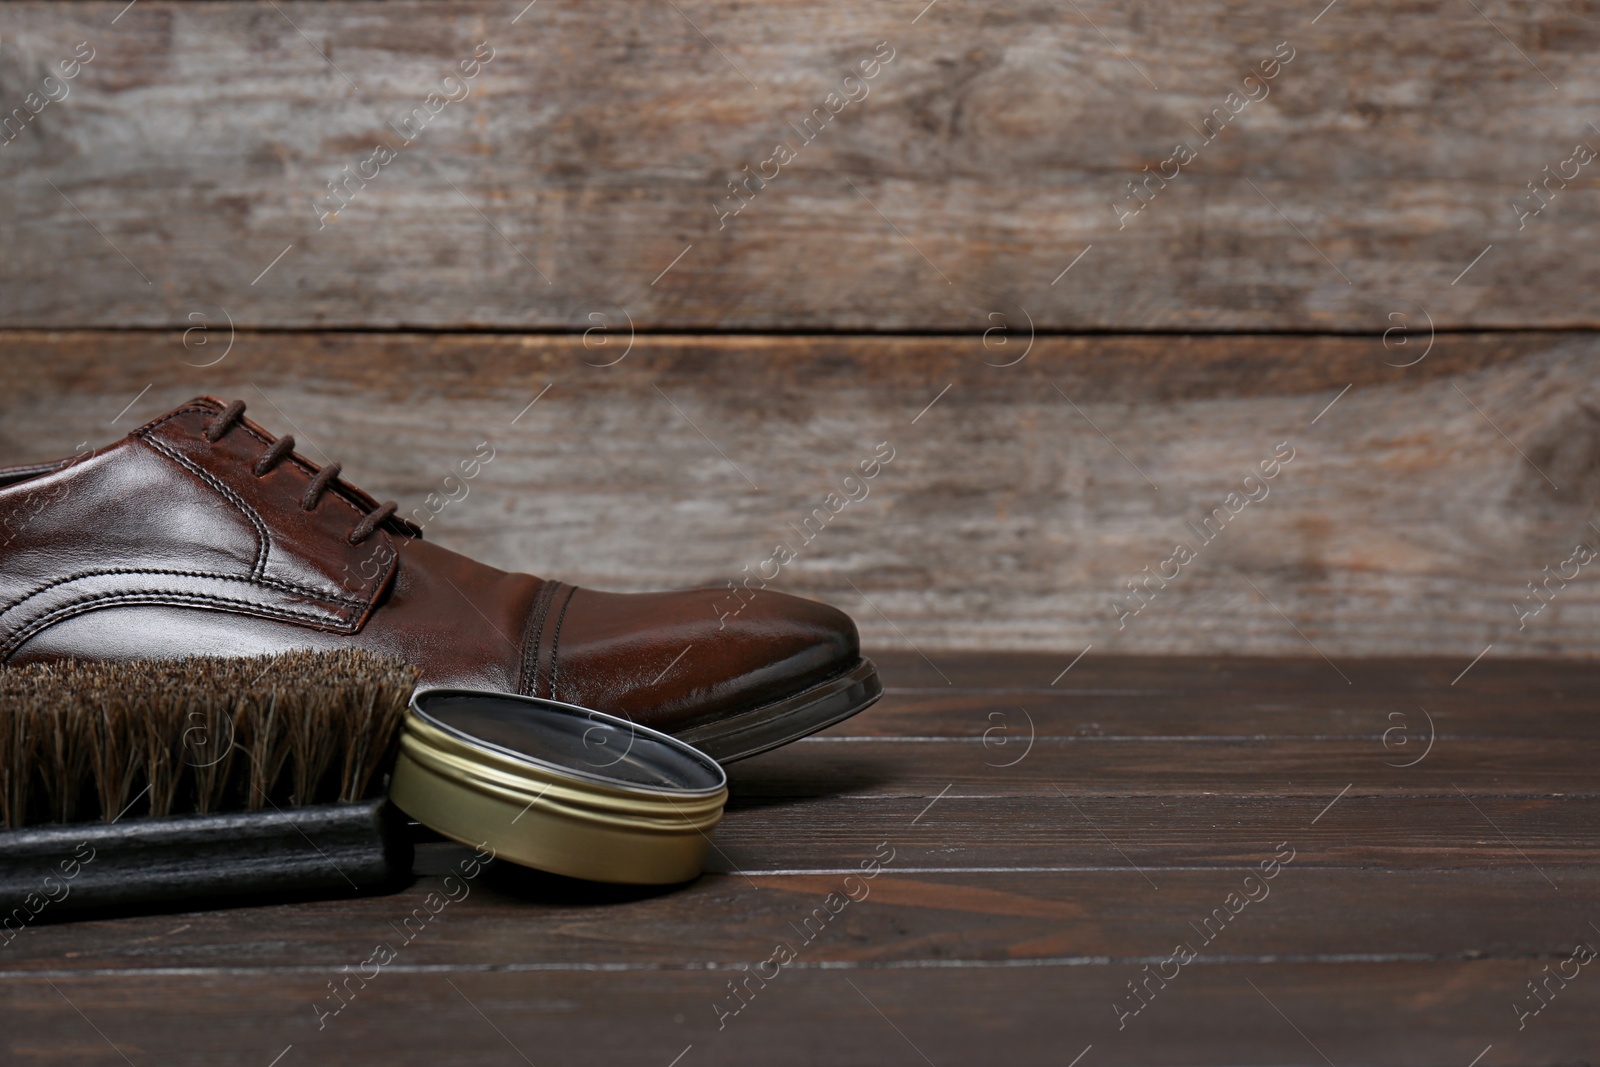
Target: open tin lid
[557, 787]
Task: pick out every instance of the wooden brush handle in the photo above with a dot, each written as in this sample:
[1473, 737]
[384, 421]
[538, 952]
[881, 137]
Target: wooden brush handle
[329, 850]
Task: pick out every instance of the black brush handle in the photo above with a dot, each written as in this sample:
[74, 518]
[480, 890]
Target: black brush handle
[327, 850]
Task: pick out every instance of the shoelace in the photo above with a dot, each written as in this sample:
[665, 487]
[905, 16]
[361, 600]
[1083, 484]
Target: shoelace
[278, 451]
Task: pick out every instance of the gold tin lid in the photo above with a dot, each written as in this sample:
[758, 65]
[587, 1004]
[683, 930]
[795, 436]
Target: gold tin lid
[558, 787]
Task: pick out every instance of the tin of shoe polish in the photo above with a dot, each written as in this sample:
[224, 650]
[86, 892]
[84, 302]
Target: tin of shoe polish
[557, 787]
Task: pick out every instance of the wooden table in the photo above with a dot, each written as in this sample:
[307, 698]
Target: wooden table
[1432, 847]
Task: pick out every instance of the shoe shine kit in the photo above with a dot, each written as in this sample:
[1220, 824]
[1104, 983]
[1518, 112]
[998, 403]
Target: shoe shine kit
[149, 783]
[136, 774]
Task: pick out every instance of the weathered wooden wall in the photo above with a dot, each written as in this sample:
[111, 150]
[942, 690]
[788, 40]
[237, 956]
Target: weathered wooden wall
[1372, 189]
[1386, 156]
[1404, 522]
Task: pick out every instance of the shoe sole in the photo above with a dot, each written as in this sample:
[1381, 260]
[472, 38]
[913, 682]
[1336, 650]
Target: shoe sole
[762, 729]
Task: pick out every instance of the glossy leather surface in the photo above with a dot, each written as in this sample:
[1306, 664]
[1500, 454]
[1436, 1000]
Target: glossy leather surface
[168, 544]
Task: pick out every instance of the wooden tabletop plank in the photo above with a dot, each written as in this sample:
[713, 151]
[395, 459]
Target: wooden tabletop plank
[1411, 908]
[1392, 720]
[1402, 1014]
[1083, 829]
[509, 918]
[596, 148]
[1310, 767]
[1296, 680]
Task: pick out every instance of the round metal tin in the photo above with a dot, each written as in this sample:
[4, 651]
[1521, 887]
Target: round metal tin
[557, 787]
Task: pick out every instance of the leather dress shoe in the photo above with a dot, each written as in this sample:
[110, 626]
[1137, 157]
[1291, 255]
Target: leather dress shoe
[201, 534]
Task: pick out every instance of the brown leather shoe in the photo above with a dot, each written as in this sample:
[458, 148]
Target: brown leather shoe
[201, 534]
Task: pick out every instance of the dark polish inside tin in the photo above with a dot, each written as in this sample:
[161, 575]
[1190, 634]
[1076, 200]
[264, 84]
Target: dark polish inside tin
[587, 744]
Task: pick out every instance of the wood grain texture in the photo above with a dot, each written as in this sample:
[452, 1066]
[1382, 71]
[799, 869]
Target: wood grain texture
[1005, 927]
[1161, 682]
[1242, 767]
[596, 146]
[1203, 828]
[1402, 1014]
[1019, 505]
[1392, 721]
[520, 920]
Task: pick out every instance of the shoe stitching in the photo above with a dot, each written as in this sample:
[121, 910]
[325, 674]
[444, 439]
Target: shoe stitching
[257, 576]
[169, 416]
[263, 542]
[276, 583]
[263, 536]
[533, 633]
[555, 643]
[84, 606]
[33, 470]
[336, 489]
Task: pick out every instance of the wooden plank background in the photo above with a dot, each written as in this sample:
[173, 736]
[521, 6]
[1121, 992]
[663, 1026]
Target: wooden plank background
[1387, 155]
[1016, 508]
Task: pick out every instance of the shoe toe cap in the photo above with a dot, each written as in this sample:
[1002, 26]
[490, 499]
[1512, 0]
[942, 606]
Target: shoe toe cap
[670, 659]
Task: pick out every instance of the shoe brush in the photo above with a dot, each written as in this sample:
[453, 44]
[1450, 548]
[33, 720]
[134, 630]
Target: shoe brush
[156, 782]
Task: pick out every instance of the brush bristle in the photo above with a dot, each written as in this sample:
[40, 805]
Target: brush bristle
[167, 737]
